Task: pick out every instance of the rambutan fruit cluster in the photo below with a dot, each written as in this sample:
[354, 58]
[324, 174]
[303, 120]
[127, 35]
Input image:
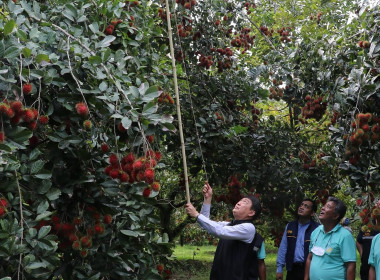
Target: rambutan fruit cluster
[81, 232]
[276, 93]
[248, 5]
[186, 4]
[111, 27]
[365, 130]
[243, 39]
[131, 169]
[284, 33]
[234, 191]
[205, 61]
[315, 108]
[364, 44]
[256, 112]
[370, 216]
[162, 14]
[322, 195]
[265, 30]
[15, 112]
[165, 98]
[309, 162]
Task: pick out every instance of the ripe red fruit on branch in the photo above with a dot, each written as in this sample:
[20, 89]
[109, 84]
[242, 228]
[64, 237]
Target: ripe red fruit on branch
[81, 109]
[43, 119]
[156, 186]
[16, 106]
[107, 219]
[113, 160]
[149, 176]
[123, 177]
[105, 148]
[137, 165]
[146, 192]
[109, 29]
[27, 88]
[28, 115]
[99, 228]
[2, 137]
[87, 124]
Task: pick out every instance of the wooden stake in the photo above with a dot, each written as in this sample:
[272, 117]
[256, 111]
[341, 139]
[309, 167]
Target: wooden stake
[177, 101]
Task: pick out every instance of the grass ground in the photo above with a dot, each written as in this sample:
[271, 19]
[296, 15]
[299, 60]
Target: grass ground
[194, 262]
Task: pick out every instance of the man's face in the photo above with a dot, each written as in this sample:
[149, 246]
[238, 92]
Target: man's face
[305, 210]
[242, 210]
[327, 212]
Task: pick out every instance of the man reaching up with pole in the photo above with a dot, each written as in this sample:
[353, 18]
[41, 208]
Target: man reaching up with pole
[239, 254]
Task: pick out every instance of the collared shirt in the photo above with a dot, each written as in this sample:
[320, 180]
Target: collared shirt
[374, 255]
[339, 246]
[261, 254]
[299, 251]
[244, 232]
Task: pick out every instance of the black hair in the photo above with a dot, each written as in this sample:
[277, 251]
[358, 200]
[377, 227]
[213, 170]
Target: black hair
[314, 205]
[256, 206]
[340, 207]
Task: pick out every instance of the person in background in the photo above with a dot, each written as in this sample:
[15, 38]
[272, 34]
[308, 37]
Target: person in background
[374, 259]
[363, 244]
[294, 247]
[346, 224]
[235, 257]
[332, 248]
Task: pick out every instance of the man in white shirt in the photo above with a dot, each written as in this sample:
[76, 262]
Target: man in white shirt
[235, 257]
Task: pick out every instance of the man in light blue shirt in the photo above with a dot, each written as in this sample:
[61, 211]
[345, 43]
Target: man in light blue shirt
[294, 247]
[332, 248]
[374, 259]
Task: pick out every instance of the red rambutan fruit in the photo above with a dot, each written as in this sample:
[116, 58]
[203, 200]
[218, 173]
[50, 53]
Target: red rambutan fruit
[43, 119]
[104, 147]
[16, 106]
[81, 109]
[113, 160]
[149, 176]
[27, 88]
[137, 165]
[107, 219]
[146, 192]
[156, 186]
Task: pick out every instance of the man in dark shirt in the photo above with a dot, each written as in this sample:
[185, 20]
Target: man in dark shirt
[236, 255]
[363, 244]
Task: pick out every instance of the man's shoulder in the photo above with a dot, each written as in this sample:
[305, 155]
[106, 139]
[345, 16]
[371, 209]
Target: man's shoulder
[376, 239]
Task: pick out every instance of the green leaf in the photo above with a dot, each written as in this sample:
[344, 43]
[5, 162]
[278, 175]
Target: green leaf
[36, 166]
[105, 42]
[129, 233]
[32, 232]
[26, 52]
[150, 94]
[36, 265]
[126, 122]
[43, 231]
[95, 60]
[53, 194]
[42, 57]
[43, 216]
[9, 26]
[20, 134]
[42, 207]
[11, 52]
[150, 108]
[44, 174]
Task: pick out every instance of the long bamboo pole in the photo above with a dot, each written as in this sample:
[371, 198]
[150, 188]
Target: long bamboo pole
[177, 101]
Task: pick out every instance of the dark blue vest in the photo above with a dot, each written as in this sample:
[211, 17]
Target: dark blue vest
[236, 260]
[292, 231]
